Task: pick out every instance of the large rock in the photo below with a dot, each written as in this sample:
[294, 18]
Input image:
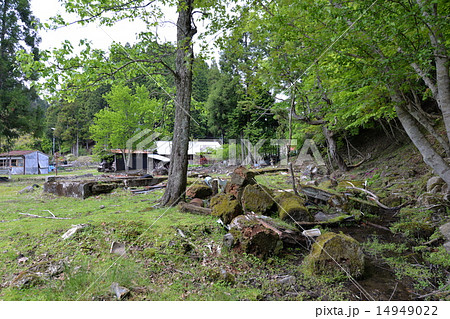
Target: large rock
[251, 237]
[240, 178]
[333, 253]
[434, 184]
[291, 208]
[226, 207]
[201, 191]
[445, 231]
[258, 199]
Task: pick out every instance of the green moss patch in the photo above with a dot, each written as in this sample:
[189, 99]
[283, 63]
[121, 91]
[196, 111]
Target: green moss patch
[335, 255]
[258, 199]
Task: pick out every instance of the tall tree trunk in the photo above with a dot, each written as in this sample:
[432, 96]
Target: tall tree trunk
[430, 156]
[176, 185]
[332, 147]
[438, 40]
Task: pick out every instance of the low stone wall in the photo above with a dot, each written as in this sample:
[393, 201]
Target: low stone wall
[83, 188]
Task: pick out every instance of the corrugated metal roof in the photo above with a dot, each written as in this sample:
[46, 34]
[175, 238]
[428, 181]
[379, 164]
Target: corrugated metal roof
[17, 153]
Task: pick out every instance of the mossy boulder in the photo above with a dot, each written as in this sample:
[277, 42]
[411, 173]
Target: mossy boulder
[291, 208]
[198, 190]
[226, 207]
[258, 199]
[333, 253]
[252, 237]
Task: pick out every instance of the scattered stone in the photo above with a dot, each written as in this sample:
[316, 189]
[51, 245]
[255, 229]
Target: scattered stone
[258, 199]
[332, 253]
[251, 237]
[29, 189]
[199, 191]
[119, 291]
[226, 207]
[291, 208]
[434, 184]
[118, 249]
[445, 230]
[22, 260]
[102, 206]
[315, 232]
[447, 246]
[322, 217]
[221, 275]
[286, 280]
[73, 230]
[228, 240]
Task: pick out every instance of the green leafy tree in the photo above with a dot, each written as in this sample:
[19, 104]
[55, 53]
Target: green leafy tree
[19, 110]
[347, 64]
[127, 114]
[92, 66]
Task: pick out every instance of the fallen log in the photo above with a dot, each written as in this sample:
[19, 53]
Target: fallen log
[371, 196]
[189, 208]
[269, 170]
[47, 217]
[147, 189]
[316, 193]
[286, 235]
[330, 223]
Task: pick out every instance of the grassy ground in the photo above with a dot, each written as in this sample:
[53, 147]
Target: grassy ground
[178, 256]
[171, 255]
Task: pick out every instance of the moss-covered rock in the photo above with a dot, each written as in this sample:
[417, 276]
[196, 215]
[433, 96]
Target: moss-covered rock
[226, 207]
[197, 190]
[258, 199]
[220, 275]
[420, 229]
[332, 254]
[253, 238]
[291, 208]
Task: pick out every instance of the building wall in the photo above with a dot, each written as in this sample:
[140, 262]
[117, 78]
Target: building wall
[35, 163]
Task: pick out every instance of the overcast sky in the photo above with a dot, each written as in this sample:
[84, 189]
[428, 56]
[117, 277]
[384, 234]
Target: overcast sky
[101, 37]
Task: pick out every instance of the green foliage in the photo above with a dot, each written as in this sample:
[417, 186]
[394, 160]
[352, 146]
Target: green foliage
[20, 108]
[127, 114]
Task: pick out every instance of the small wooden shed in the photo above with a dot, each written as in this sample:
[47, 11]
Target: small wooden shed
[23, 163]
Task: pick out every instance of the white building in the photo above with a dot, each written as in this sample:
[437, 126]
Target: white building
[23, 163]
[195, 147]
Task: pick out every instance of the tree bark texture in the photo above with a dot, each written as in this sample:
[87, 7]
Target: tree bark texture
[430, 156]
[176, 185]
[332, 147]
